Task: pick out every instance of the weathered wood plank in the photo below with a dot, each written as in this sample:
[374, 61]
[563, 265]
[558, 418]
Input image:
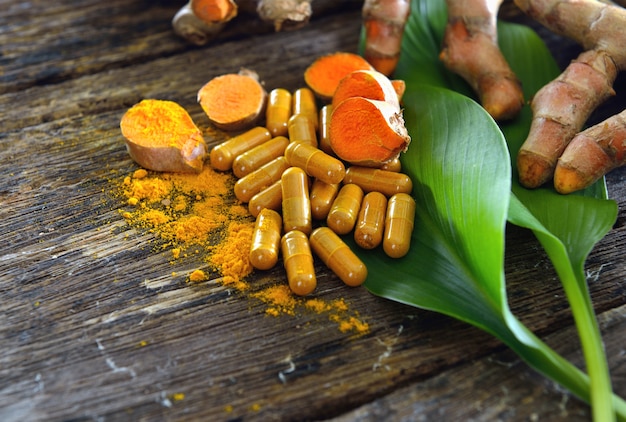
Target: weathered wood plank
[97, 326]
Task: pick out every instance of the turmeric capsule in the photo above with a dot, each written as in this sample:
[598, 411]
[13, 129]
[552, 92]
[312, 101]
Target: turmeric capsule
[322, 195]
[302, 129]
[324, 126]
[223, 155]
[315, 162]
[271, 197]
[278, 111]
[266, 240]
[370, 224]
[345, 209]
[338, 256]
[296, 203]
[399, 225]
[298, 262]
[304, 103]
[372, 179]
[393, 165]
[253, 183]
[261, 154]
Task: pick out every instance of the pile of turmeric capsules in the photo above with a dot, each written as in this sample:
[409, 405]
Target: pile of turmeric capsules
[304, 198]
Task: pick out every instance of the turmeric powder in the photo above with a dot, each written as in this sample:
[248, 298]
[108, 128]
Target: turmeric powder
[220, 228]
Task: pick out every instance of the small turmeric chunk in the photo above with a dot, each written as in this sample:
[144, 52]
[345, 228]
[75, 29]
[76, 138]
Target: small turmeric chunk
[160, 135]
[234, 101]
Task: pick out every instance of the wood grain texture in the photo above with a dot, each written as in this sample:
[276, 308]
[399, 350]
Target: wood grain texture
[95, 325]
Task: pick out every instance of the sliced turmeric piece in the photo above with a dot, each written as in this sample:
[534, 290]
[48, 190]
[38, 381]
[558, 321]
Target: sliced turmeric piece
[324, 74]
[214, 11]
[367, 132]
[234, 101]
[160, 135]
[366, 83]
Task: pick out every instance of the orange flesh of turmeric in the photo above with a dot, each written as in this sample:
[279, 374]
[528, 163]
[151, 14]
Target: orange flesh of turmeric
[324, 74]
[362, 131]
[368, 84]
[213, 11]
[232, 101]
[160, 135]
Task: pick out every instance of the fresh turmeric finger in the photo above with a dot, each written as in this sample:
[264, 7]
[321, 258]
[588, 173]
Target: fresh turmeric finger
[384, 21]
[234, 101]
[560, 110]
[160, 135]
[591, 154]
[470, 49]
[324, 74]
[367, 132]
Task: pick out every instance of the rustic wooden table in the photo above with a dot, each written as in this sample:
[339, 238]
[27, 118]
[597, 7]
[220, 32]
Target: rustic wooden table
[86, 335]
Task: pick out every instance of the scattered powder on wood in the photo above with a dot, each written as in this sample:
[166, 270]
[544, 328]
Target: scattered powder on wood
[198, 213]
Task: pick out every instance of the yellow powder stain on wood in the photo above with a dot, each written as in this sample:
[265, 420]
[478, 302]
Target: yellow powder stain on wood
[197, 214]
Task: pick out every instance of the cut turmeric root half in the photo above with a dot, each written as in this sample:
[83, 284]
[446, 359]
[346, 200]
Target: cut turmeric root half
[234, 101]
[160, 135]
[367, 132]
[324, 74]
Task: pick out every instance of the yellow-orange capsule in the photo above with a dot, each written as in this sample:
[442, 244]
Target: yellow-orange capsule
[315, 162]
[253, 183]
[278, 111]
[324, 126]
[223, 155]
[370, 179]
[266, 240]
[370, 225]
[298, 262]
[338, 256]
[261, 154]
[271, 197]
[345, 209]
[322, 195]
[302, 129]
[304, 103]
[399, 225]
[392, 165]
[296, 203]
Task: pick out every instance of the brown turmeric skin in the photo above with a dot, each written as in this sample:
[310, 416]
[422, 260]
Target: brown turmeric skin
[470, 49]
[561, 108]
[384, 22]
[591, 154]
[559, 111]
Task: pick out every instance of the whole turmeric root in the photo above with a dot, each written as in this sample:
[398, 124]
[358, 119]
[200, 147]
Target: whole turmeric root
[591, 154]
[384, 22]
[470, 49]
[561, 108]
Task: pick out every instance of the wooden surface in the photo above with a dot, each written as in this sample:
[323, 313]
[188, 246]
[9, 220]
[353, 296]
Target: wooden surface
[94, 327]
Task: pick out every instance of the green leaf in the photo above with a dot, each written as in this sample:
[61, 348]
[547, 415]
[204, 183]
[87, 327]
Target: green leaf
[461, 165]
